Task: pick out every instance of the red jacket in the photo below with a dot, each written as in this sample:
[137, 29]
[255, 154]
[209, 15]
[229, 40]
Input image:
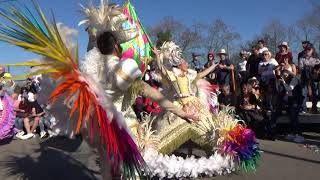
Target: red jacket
[280, 57]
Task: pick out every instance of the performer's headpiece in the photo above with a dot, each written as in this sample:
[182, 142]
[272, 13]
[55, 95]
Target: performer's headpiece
[171, 53]
[108, 18]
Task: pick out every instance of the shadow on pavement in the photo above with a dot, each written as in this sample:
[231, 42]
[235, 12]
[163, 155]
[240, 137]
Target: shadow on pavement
[62, 143]
[289, 156]
[54, 162]
[6, 141]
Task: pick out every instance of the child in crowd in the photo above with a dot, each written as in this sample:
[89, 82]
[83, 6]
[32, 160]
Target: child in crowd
[226, 98]
[247, 107]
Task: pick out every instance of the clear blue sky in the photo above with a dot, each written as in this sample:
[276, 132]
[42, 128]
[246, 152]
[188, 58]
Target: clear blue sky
[248, 17]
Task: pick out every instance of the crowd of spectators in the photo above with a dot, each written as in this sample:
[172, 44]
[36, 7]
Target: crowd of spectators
[270, 85]
[260, 88]
[30, 116]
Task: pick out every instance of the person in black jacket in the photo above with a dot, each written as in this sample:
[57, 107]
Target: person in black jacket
[253, 62]
[226, 98]
[247, 107]
[211, 77]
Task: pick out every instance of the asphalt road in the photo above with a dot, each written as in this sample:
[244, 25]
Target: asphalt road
[60, 158]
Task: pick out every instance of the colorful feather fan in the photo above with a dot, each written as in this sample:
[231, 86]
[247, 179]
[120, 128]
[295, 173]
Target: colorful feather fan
[139, 48]
[24, 30]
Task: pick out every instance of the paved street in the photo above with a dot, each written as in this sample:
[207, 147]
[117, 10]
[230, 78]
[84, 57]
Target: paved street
[60, 158]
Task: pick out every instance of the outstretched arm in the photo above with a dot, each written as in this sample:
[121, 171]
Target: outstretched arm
[155, 95]
[206, 71]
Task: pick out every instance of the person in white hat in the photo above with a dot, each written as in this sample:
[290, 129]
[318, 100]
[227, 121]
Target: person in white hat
[284, 53]
[224, 68]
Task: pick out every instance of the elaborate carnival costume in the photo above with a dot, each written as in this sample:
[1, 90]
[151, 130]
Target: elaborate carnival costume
[90, 92]
[227, 143]
[7, 115]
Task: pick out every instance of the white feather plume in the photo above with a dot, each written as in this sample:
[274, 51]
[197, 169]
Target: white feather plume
[107, 18]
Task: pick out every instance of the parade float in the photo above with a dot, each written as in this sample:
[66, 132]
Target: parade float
[101, 89]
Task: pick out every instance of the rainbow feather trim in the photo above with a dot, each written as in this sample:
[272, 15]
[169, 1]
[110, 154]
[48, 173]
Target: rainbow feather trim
[44, 39]
[242, 143]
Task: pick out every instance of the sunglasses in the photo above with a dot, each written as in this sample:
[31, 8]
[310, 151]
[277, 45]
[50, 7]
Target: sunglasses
[265, 54]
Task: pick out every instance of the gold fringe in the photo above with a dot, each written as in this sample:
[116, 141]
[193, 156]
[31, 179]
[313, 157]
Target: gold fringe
[131, 95]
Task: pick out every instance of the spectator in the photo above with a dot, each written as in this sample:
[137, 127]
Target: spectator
[261, 46]
[36, 80]
[24, 112]
[224, 69]
[315, 87]
[268, 105]
[241, 67]
[8, 83]
[211, 76]
[290, 97]
[253, 62]
[305, 45]
[306, 65]
[226, 98]
[18, 113]
[196, 62]
[247, 107]
[288, 66]
[266, 68]
[254, 83]
[284, 53]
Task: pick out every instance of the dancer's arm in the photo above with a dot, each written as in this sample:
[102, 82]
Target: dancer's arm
[206, 71]
[156, 96]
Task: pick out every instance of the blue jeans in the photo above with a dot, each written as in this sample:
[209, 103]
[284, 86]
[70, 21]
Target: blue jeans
[315, 94]
[44, 123]
[305, 98]
[18, 123]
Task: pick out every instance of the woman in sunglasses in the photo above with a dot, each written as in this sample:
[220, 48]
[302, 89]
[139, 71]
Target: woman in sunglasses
[266, 68]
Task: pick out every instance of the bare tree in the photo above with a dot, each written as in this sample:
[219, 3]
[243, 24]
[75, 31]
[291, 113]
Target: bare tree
[188, 37]
[168, 24]
[274, 33]
[304, 28]
[219, 35]
[310, 25]
[292, 37]
[191, 37]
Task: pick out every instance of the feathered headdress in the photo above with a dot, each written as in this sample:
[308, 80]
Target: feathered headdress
[108, 18]
[171, 53]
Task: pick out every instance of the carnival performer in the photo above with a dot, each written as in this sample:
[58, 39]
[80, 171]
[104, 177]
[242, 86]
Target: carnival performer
[113, 71]
[227, 143]
[7, 116]
[191, 92]
[91, 90]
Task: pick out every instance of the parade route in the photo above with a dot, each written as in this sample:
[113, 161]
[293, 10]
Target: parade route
[61, 158]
